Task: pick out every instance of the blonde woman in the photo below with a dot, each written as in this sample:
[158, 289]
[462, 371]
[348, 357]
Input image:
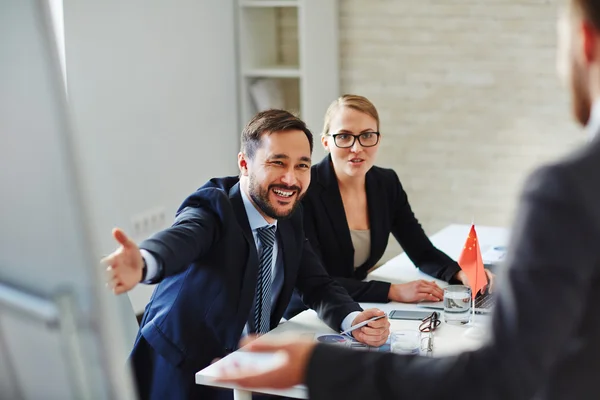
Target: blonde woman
[352, 206]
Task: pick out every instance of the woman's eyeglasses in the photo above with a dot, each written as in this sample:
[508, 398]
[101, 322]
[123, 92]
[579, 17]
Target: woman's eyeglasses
[430, 323]
[346, 140]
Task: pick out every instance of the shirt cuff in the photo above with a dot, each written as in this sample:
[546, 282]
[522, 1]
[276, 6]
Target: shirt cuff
[347, 322]
[151, 266]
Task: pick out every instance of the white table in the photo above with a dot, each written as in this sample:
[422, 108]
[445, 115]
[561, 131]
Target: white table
[449, 339]
[451, 241]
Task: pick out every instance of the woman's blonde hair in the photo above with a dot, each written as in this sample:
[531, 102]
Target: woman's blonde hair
[355, 102]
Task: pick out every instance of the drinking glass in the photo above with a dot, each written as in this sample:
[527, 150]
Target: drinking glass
[457, 304]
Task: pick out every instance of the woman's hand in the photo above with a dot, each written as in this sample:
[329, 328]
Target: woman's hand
[415, 291]
[461, 276]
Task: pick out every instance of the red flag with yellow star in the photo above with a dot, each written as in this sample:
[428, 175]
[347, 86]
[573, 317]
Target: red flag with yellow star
[471, 263]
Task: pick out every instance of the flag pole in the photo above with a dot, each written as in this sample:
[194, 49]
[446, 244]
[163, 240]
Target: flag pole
[476, 280]
[474, 284]
[474, 331]
[473, 305]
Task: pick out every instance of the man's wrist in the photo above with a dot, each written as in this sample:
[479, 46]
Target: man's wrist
[349, 320]
[391, 296]
[144, 270]
[458, 276]
[154, 271]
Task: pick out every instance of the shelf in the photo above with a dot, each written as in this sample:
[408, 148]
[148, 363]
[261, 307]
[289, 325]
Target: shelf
[269, 3]
[288, 57]
[276, 71]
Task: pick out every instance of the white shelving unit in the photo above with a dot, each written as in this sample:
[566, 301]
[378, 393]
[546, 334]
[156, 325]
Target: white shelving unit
[307, 80]
[273, 71]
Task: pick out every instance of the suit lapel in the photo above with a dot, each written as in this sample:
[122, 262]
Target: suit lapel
[331, 200]
[377, 209]
[251, 271]
[237, 203]
[287, 248]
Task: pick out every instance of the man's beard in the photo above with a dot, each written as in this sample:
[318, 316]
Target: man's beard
[261, 198]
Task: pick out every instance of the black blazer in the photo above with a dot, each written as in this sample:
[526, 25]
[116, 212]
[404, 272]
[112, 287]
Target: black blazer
[389, 212]
[210, 264]
[544, 343]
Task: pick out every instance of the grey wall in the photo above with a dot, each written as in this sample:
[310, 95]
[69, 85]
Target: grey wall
[152, 86]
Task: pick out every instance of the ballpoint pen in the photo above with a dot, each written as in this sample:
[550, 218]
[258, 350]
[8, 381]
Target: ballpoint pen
[360, 325]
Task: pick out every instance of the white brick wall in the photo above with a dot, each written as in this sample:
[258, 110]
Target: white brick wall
[468, 98]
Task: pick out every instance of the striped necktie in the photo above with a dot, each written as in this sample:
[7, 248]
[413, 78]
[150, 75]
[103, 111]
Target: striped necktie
[262, 309]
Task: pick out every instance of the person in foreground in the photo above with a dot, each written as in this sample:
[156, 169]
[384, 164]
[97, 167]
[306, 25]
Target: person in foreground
[545, 328]
[228, 265]
[352, 206]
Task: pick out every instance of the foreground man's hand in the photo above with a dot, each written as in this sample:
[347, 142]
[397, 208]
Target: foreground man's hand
[292, 372]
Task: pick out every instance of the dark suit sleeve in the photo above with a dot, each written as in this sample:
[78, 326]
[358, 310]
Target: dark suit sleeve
[410, 235]
[321, 292]
[368, 292]
[550, 266]
[195, 230]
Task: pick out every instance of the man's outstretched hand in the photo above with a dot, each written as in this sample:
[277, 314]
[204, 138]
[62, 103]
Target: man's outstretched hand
[124, 266]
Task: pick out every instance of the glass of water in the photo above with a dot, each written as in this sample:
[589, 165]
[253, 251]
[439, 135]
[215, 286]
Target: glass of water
[405, 342]
[457, 304]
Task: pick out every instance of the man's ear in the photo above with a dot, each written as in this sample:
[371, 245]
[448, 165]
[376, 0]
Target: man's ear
[243, 164]
[589, 42]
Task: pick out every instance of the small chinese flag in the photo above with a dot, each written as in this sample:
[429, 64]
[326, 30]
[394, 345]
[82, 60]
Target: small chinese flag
[471, 262]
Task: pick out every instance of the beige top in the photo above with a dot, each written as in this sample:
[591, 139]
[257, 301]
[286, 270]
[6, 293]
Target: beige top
[361, 240]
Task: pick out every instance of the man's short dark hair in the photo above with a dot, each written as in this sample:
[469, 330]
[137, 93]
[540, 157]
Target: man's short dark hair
[589, 9]
[269, 121]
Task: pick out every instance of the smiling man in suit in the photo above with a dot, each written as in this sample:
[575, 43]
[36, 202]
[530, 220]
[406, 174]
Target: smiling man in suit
[229, 264]
[545, 328]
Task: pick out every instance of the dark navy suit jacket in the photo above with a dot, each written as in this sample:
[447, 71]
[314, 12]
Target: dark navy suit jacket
[209, 265]
[389, 212]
